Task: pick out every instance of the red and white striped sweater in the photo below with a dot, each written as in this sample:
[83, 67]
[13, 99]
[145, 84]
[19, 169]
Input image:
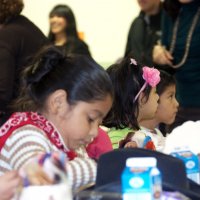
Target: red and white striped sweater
[28, 141]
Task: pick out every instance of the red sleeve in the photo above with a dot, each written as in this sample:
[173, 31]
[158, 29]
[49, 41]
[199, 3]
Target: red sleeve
[100, 145]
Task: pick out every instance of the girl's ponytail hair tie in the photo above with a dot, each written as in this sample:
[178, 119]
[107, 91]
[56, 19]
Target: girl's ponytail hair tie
[44, 63]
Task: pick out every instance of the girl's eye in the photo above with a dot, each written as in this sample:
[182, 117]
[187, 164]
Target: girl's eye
[171, 96]
[90, 120]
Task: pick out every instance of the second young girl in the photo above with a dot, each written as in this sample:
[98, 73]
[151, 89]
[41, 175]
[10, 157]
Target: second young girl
[135, 98]
[166, 111]
[167, 106]
[165, 114]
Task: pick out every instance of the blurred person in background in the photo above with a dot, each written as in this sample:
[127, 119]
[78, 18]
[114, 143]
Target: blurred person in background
[180, 51]
[19, 40]
[63, 31]
[145, 31]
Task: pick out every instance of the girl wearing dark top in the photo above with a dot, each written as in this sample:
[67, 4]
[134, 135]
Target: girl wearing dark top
[181, 30]
[63, 32]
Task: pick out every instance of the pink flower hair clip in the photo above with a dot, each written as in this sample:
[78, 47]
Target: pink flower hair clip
[133, 61]
[151, 77]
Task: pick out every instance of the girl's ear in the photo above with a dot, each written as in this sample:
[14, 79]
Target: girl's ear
[57, 101]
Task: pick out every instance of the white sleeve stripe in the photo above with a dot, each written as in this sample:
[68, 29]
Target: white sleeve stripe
[81, 172]
[70, 173]
[72, 176]
[24, 133]
[4, 165]
[84, 171]
[93, 168]
[5, 156]
[34, 149]
[78, 172]
[26, 141]
[26, 157]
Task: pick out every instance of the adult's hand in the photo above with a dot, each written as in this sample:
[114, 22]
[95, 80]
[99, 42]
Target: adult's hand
[161, 56]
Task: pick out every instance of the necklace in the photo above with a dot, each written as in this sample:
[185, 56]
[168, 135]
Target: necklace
[188, 40]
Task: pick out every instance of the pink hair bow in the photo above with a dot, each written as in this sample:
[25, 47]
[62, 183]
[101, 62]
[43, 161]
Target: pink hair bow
[151, 77]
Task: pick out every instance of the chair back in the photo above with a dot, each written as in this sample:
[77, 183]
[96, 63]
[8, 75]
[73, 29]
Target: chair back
[111, 165]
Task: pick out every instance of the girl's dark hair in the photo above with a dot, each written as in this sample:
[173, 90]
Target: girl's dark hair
[80, 76]
[65, 12]
[166, 80]
[127, 82]
[10, 9]
[172, 7]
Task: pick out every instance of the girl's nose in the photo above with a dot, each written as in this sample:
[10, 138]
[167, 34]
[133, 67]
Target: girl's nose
[176, 103]
[94, 130]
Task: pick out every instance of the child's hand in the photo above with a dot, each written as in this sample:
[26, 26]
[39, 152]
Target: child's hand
[131, 144]
[36, 175]
[45, 169]
[8, 185]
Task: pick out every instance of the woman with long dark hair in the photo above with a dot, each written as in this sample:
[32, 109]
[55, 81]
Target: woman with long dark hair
[63, 32]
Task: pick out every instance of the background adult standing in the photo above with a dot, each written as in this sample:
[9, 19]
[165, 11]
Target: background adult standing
[19, 40]
[145, 31]
[180, 50]
[63, 31]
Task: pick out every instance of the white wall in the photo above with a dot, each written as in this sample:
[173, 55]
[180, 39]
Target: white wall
[105, 23]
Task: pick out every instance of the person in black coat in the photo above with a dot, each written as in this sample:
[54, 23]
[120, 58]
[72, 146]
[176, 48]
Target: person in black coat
[145, 32]
[63, 32]
[19, 40]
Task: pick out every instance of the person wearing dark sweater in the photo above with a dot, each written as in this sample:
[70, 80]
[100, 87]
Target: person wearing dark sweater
[63, 32]
[180, 50]
[19, 40]
[145, 31]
